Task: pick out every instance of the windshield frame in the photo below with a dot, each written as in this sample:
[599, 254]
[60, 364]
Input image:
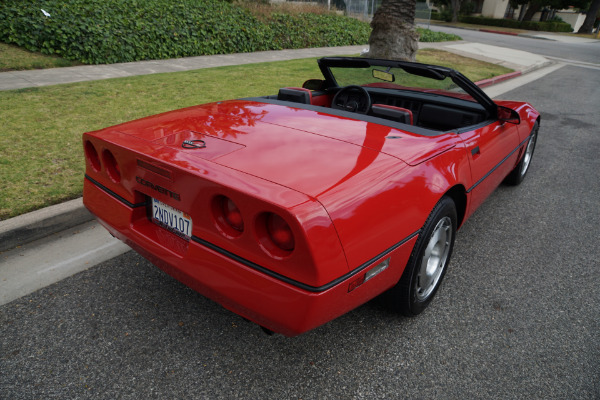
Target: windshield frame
[435, 72]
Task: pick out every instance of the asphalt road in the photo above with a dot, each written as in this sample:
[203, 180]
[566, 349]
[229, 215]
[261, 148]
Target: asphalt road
[518, 315]
[586, 52]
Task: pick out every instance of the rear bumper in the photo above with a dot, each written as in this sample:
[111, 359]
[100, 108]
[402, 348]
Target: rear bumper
[274, 303]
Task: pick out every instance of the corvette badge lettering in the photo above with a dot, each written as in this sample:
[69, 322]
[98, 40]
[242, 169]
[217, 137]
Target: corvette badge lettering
[159, 189]
[193, 144]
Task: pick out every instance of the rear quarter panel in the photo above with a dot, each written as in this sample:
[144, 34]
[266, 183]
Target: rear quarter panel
[374, 211]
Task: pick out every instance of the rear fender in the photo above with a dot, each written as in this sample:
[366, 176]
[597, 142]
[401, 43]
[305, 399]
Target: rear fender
[391, 204]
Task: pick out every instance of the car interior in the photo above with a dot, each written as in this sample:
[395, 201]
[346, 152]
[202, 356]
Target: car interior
[420, 109]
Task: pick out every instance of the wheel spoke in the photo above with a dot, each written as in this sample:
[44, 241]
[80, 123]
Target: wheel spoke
[528, 153]
[428, 252]
[434, 259]
[435, 238]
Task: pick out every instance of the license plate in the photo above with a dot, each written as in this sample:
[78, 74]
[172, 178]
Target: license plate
[172, 219]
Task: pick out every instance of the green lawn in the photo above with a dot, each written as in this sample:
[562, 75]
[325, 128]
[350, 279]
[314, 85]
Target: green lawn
[41, 157]
[13, 58]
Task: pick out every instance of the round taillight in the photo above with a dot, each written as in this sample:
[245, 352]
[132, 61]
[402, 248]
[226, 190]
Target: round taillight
[228, 216]
[275, 235]
[92, 156]
[232, 214]
[111, 165]
[280, 232]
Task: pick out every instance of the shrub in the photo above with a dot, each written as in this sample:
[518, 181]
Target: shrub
[312, 30]
[426, 35]
[436, 16]
[110, 31]
[467, 8]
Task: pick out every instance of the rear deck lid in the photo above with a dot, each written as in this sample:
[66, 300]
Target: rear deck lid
[305, 150]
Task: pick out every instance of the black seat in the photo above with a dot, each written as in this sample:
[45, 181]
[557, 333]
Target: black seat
[297, 95]
[394, 113]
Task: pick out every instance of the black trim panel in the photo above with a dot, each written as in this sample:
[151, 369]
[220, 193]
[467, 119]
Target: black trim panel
[300, 285]
[498, 165]
[113, 194]
[471, 128]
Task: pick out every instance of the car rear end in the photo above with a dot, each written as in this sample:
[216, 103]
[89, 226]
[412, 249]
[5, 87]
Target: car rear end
[262, 250]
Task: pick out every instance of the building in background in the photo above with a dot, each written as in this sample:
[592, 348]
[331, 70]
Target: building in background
[499, 9]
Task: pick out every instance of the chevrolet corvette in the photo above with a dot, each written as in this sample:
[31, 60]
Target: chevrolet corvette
[294, 208]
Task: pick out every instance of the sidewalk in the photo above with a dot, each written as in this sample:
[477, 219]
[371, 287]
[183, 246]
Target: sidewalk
[514, 59]
[556, 37]
[54, 76]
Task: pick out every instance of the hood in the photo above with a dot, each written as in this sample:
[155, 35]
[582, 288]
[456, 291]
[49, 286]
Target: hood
[305, 150]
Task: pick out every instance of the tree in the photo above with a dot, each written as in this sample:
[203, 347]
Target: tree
[455, 9]
[534, 6]
[394, 36]
[530, 7]
[588, 23]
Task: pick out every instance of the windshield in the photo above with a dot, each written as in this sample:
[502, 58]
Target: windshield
[421, 80]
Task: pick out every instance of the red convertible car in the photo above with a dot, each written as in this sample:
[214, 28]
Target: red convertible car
[292, 209]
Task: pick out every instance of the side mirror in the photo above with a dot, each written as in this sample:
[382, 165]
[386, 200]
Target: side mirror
[313, 84]
[506, 114]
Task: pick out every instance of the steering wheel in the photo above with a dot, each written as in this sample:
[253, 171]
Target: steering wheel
[352, 98]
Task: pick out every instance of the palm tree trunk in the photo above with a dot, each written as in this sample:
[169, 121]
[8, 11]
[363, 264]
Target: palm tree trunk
[394, 36]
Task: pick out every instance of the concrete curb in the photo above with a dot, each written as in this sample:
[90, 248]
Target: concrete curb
[499, 32]
[497, 79]
[37, 224]
[529, 35]
[466, 28]
[532, 68]
[491, 30]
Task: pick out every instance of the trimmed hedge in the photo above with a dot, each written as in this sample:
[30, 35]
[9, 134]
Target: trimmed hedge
[426, 35]
[548, 26]
[111, 31]
[316, 30]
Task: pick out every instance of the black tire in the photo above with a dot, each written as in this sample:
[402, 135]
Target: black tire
[517, 175]
[428, 262]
